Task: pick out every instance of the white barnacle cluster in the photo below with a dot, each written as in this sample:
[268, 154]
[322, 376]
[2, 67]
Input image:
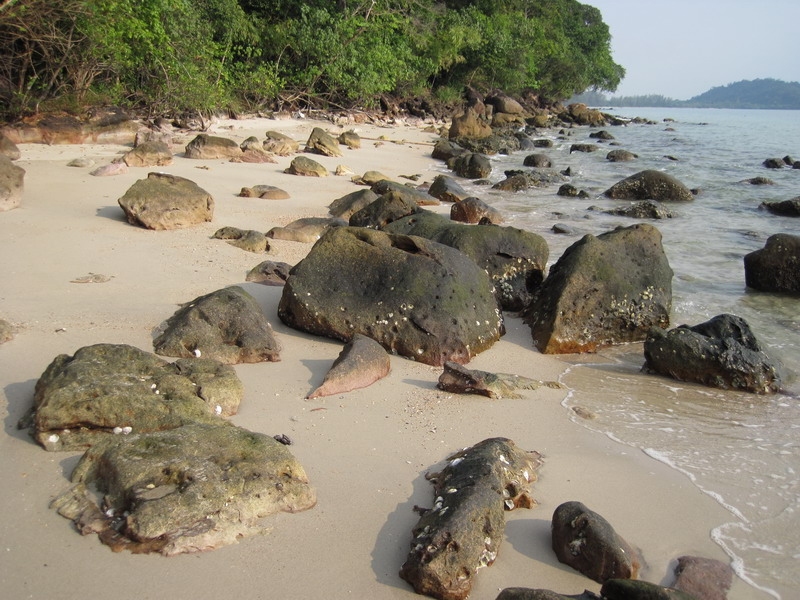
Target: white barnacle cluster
[122, 430]
[217, 410]
[155, 389]
[196, 352]
[488, 555]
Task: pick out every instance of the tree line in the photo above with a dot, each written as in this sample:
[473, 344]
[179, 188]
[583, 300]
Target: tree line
[177, 55]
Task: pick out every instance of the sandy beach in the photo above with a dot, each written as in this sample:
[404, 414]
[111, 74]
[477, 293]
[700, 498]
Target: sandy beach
[366, 452]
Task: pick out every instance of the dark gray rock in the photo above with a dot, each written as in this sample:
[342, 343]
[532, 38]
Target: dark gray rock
[774, 163]
[269, 273]
[601, 135]
[421, 198]
[447, 189]
[321, 142]
[627, 589]
[570, 191]
[306, 167]
[759, 181]
[457, 379]
[227, 325]
[109, 389]
[776, 266]
[463, 530]
[537, 160]
[246, 239]
[588, 543]
[362, 362]
[445, 150]
[349, 204]
[149, 154]
[722, 352]
[12, 184]
[474, 210]
[417, 298]
[190, 489]
[515, 259]
[621, 156]
[165, 201]
[516, 181]
[604, 290]
[539, 594]
[206, 146]
[703, 578]
[387, 208]
[306, 230]
[471, 166]
[646, 209]
[583, 148]
[650, 185]
[543, 143]
[784, 208]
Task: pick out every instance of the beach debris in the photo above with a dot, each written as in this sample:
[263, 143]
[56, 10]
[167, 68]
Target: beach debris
[458, 379]
[362, 362]
[417, 298]
[628, 589]
[650, 185]
[283, 439]
[92, 278]
[351, 203]
[306, 167]
[588, 543]
[306, 230]
[12, 184]
[228, 325]
[321, 142]
[246, 239]
[773, 268]
[280, 144]
[462, 532]
[206, 146]
[190, 489]
[703, 578]
[163, 201]
[604, 290]
[722, 352]
[269, 273]
[784, 208]
[80, 399]
[148, 154]
[514, 259]
[475, 210]
[447, 189]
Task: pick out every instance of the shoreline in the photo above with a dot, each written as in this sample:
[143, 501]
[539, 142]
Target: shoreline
[366, 452]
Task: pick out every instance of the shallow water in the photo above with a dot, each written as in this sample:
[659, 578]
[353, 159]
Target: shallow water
[741, 449]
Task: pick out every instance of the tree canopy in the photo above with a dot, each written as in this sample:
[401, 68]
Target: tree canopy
[172, 55]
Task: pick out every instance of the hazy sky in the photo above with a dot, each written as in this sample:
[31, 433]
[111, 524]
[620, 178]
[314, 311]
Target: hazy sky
[681, 48]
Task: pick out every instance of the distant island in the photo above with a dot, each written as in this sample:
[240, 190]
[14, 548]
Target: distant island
[756, 94]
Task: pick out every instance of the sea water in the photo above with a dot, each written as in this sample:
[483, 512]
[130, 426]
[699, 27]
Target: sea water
[741, 449]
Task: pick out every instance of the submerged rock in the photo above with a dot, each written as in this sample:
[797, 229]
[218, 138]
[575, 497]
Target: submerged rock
[463, 530]
[107, 389]
[650, 185]
[190, 489]
[585, 541]
[785, 208]
[722, 352]
[227, 325]
[362, 362]
[415, 297]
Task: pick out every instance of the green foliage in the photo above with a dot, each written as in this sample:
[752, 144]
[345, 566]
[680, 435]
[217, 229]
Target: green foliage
[175, 55]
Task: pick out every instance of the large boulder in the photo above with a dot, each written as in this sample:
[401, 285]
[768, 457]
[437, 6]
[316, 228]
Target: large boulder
[349, 204]
[415, 297]
[776, 266]
[464, 528]
[469, 125]
[784, 208]
[604, 290]
[515, 259]
[109, 389]
[206, 146]
[227, 325]
[384, 186]
[722, 352]
[471, 165]
[12, 183]
[650, 185]
[588, 543]
[190, 489]
[102, 126]
[149, 154]
[386, 209]
[165, 201]
[321, 142]
[581, 114]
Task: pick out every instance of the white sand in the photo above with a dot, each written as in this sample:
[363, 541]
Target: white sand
[366, 452]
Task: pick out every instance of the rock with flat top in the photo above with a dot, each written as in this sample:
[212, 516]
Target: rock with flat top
[149, 154]
[306, 230]
[206, 146]
[163, 201]
[650, 185]
[306, 167]
[280, 144]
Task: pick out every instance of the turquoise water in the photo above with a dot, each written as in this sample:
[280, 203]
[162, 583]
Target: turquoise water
[741, 449]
